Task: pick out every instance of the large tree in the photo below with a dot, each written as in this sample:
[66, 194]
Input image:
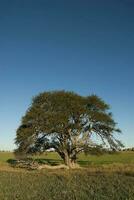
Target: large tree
[66, 122]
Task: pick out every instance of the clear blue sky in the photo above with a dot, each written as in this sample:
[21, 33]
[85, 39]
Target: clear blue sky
[82, 45]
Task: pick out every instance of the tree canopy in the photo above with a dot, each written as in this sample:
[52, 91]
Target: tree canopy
[66, 122]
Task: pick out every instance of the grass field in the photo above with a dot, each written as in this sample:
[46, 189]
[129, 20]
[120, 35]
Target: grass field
[107, 177]
[123, 157]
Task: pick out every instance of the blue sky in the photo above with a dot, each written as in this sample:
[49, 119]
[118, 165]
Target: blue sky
[82, 45]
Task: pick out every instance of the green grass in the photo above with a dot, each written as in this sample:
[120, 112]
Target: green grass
[106, 177]
[122, 158]
[4, 157]
[65, 186]
[83, 160]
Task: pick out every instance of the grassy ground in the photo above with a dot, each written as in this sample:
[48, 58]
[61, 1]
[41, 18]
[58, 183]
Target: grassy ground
[107, 177]
[76, 185]
[122, 158]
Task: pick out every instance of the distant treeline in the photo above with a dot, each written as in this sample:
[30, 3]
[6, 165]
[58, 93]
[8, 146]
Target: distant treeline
[128, 149]
[5, 151]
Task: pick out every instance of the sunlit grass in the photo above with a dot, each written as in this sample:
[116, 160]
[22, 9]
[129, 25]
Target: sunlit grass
[76, 185]
[83, 160]
[110, 176]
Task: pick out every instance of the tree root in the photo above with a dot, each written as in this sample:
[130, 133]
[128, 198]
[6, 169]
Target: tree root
[62, 166]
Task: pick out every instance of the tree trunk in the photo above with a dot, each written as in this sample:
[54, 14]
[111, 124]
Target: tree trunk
[69, 161]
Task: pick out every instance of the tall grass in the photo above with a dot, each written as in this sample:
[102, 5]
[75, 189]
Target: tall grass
[78, 185]
[107, 177]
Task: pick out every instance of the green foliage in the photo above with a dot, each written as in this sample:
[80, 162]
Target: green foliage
[65, 121]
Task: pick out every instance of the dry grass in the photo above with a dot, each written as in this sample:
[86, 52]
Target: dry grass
[94, 180]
